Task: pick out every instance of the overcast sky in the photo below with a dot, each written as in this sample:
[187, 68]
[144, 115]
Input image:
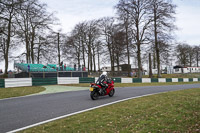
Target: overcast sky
[71, 12]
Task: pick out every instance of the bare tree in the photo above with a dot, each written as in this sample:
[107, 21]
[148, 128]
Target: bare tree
[32, 19]
[45, 49]
[99, 51]
[84, 40]
[7, 25]
[76, 44]
[119, 46]
[191, 54]
[124, 20]
[140, 21]
[197, 54]
[107, 25]
[92, 35]
[73, 47]
[182, 55]
[82, 33]
[163, 22]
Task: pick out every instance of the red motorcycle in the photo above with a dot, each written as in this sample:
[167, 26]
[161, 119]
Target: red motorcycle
[96, 90]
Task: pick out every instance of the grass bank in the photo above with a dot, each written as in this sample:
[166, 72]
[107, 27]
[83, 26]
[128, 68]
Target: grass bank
[19, 91]
[136, 84]
[176, 111]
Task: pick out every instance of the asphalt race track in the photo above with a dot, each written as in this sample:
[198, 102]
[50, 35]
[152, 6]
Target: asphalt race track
[20, 112]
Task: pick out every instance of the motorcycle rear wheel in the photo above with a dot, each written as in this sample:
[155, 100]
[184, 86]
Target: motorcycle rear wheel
[94, 95]
[112, 92]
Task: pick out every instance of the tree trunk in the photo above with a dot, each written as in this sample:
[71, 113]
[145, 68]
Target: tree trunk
[150, 66]
[154, 60]
[27, 49]
[190, 61]
[88, 61]
[58, 49]
[32, 45]
[127, 47]
[7, 47]
[99, 62]
[94, 62]
[139, 62]
[113, 65]
[113, 61]
[156, 43]
[83, 50]
[38, 53]
[139, 51]
[197, 59]
[79, 53]
[90, 57]
[91, 64]
[79, 60]
[118, 62]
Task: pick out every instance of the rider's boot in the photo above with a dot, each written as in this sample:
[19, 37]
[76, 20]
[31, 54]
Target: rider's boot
[101, 91]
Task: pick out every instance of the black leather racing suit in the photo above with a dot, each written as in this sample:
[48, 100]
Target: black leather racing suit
[101, 81]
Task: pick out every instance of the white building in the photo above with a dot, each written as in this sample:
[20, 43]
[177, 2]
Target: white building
[179, 69]
[109, 69]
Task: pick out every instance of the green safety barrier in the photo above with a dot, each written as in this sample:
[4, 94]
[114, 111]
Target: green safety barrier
[190, 79]
[137, 80]
[180, 79]
[154, 80]
[168, 80]
[44, 81]
[2, 83]
[86, 80]
[117, 80]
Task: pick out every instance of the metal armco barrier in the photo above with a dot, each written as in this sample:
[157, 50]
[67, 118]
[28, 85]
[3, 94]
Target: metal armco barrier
[44, 81]
[17, 82]
[86, 80]
[2, 83]
[68, 80]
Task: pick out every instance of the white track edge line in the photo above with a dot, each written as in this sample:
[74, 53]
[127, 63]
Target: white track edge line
[64, 116]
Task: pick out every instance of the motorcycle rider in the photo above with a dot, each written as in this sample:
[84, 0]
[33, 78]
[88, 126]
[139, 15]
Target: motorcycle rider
[103, 78]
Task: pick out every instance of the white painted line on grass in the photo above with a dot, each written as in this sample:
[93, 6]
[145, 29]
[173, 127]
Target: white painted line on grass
[38, 94]
[64, 116]
[11, 98]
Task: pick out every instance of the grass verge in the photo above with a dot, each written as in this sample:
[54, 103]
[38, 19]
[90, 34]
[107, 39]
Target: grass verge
[19, 91]
[135, 84]
[176, 111]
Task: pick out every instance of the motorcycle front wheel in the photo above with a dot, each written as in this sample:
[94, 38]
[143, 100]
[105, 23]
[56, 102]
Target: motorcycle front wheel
[94, 95]
[112, 92]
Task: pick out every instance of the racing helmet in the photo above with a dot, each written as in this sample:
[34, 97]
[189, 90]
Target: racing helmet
[104, 73]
